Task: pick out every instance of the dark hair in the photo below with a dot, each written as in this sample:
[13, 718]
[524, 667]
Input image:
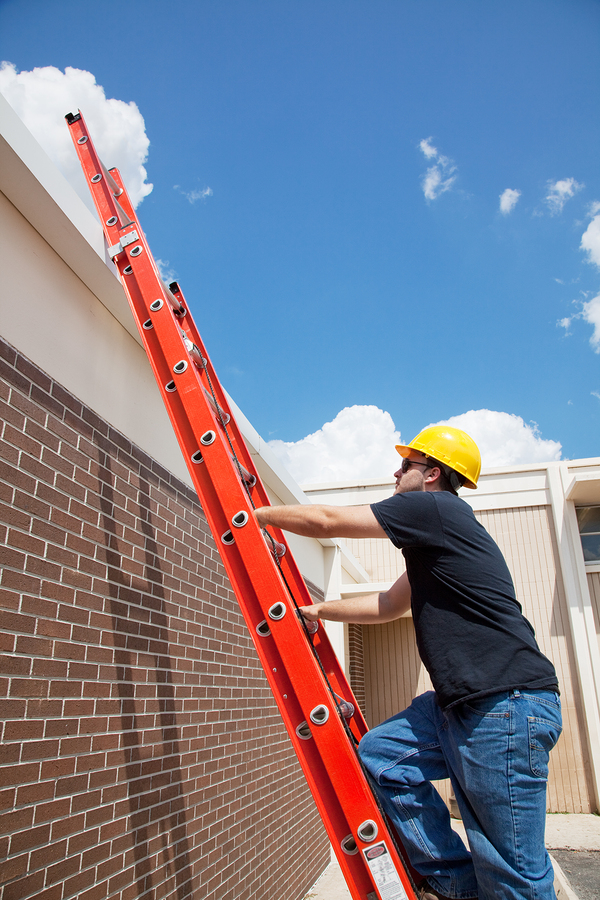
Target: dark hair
[450, 480]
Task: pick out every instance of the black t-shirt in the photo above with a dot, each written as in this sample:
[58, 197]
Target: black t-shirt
[471, 634]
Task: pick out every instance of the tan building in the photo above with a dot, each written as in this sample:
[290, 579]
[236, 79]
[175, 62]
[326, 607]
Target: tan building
[141, 747]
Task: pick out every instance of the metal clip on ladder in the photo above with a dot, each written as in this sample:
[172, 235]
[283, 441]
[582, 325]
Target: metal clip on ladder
[308, 684]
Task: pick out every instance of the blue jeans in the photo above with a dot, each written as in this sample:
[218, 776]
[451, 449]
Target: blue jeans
[495, 752]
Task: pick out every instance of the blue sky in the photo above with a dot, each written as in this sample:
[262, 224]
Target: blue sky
[290, 146]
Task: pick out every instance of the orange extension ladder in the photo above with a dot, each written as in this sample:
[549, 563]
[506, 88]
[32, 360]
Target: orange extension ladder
[312, 693]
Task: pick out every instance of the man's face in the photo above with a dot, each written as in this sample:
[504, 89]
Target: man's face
[411, 474]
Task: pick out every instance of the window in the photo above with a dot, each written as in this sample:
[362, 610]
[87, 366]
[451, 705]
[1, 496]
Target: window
[589, 529]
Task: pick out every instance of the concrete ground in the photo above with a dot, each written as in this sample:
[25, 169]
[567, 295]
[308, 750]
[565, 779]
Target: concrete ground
[574, 838]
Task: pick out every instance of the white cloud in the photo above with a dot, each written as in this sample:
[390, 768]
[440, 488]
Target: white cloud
[427, 148]
[44, 96]
[504, 439]
[360, 443]
[591, 314]
[590, 241]
[167, 272]
[438, 178]
[508, 200]
[559, 192]
[197, 194]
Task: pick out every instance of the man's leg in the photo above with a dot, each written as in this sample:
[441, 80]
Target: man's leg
[403, 756]
[497, 753]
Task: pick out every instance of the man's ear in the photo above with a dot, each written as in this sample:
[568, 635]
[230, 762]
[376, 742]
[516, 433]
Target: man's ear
[434, 474]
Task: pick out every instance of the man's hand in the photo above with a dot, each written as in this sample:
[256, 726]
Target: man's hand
[310, 613]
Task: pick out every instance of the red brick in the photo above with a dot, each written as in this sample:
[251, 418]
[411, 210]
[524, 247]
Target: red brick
[12, 709]
[16, 622]
[65, 688]
[64, 869]
[25, 542]
[51, 893]
[14, 665]
[83, 802]
[17, 581]
[83, 841]
[62, 556]
[39, 750]
[41, 606]
[23, 730]
[28, 687]
[11, 558]
[43, 709]
[49, 668]
[74, 784]
[13, 868]
[55, 809]
[16, 820]
[43, 568]
[7, 798]
[64, 827]
[14, 775]
[55, 768]
[24, 887]
[34, 646]
[37, 469]
[32, 505]
[26, 840]
[79, 882]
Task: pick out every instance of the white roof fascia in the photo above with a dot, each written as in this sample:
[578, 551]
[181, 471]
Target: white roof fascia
[584, 488]
[34, 185]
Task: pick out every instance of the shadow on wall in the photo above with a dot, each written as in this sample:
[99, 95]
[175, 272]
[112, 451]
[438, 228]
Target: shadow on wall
[153, 760]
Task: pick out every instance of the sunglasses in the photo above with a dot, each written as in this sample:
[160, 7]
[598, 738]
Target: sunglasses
[407, 463]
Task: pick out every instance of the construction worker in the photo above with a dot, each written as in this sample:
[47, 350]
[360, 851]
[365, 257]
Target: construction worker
[494, 713]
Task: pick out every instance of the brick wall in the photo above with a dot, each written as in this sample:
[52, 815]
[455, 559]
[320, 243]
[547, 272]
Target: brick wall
[142, 755]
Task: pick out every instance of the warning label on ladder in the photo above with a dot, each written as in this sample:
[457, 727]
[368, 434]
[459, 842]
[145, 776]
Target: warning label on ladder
[384, 872]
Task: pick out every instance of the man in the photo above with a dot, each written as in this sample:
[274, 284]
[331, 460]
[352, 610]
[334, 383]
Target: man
[494, 713]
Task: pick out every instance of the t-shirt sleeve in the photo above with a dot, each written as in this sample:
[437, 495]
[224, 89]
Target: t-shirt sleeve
[410, 520]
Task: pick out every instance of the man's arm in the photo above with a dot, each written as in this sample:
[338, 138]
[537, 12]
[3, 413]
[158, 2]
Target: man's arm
[322, 521]
[368, 610]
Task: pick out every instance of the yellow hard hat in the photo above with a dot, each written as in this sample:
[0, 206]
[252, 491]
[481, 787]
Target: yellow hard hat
[450, 446]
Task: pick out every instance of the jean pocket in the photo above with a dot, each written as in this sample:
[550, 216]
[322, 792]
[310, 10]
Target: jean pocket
[543, 735]
[493, 706]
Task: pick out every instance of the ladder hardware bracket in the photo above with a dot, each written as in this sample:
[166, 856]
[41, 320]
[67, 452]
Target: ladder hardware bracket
[125, 240]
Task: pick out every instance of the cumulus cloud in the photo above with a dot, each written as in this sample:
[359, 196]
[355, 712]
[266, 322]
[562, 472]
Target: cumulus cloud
[508, 200]
[439, 177]
[590, 241]
[197, 194]
[167, 272]
[360, 444]
[504, 439]
[591, 314]
[589, 311]
[43, 97]
[559, 192]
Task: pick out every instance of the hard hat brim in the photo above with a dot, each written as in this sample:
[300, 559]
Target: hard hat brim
[405, 451]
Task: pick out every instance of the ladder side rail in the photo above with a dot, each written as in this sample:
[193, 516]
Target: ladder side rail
[291, 573]
[327, 757]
